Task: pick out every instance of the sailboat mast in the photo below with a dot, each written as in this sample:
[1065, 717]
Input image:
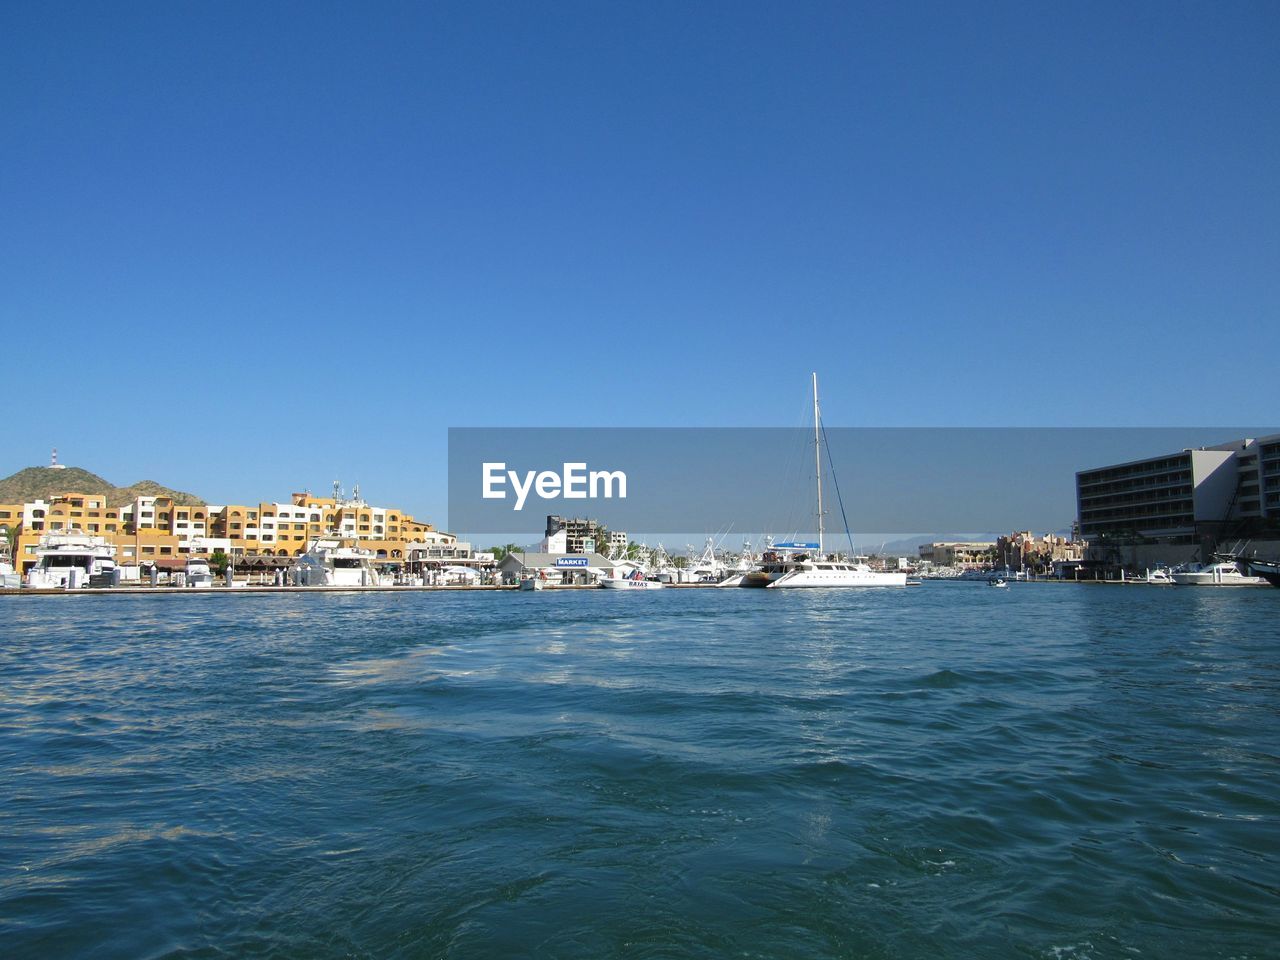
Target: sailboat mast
[817, 457]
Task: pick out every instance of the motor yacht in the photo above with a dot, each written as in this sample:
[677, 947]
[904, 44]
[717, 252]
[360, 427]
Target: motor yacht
[328, 563]
[71, 559]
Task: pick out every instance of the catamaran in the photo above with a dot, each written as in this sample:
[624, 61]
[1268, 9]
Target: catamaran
[805, 564]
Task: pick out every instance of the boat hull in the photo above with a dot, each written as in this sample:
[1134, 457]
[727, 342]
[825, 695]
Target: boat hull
[809, 580]
[1206, 579]
[621, 584]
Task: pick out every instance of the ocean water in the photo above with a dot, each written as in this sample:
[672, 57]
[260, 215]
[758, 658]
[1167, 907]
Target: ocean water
[1053, 771]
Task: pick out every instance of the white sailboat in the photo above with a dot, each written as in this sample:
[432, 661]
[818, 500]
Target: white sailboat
[795, 565]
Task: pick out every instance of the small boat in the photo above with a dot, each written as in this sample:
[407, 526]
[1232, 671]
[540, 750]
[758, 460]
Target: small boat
[1156, 577]
[198, 573]
[1224, 574]
[633, 581]
[533, 583]
[998, 582]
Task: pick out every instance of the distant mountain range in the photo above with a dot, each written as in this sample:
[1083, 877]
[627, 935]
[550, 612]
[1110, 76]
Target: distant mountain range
[41, 483]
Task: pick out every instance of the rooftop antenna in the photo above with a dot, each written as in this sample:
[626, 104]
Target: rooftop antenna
[53, 461]
[337, 490]
[355, 493]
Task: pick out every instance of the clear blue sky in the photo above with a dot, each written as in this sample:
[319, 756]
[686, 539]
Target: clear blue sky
[246, 248]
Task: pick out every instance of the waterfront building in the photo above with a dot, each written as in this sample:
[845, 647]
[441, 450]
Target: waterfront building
[1022, 550]
[157, 529]
[577, 535]
[959, 553]
[1181, 506]
[572, 567]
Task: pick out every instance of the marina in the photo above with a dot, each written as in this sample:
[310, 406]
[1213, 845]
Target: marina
[640, 482]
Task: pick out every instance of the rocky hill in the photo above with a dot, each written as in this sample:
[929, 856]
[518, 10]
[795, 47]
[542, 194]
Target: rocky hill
[41, 483]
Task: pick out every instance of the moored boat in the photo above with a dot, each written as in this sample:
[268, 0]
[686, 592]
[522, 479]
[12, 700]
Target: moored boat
[199, 574]
[1223, 574]
[71, 559]
[327, 563]
[633, 581]
[796, 565]
[1269, 570]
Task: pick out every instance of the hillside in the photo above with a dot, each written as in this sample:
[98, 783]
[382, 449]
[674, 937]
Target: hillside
[41, 483]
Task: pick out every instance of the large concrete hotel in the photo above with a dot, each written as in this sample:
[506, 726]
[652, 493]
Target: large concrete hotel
[1183, 506]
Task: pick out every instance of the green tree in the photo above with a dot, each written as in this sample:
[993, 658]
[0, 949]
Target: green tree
[500, 552]
[218, 562]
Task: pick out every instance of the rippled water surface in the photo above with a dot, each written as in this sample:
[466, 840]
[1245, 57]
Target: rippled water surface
[947, 771]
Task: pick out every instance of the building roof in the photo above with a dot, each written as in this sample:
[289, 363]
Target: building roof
[531, 559]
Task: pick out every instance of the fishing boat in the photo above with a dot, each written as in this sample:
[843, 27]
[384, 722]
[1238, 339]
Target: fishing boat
[1223, 574]
[632, 581]
[803, 564]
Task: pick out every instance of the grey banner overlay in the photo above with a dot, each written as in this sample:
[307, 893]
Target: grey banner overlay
[761, 480]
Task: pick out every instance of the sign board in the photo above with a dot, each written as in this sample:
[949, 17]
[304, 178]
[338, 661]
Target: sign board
[571, 561]
[589, 545]
[795, 545]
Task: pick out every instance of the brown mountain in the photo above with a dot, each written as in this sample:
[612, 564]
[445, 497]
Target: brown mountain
[41, 483]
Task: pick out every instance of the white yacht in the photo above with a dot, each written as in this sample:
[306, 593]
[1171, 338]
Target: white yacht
[69, 559]
[327, 563]
[1216, 575]
[199, 574]
[793, 565]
